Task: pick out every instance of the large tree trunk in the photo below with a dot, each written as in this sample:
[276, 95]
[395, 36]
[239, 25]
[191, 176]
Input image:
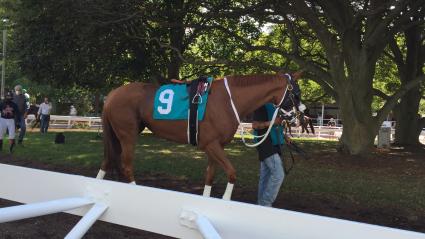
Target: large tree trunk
[355, 100]
[176, 38]
[409, 123]
[408, 126]
[359, 127]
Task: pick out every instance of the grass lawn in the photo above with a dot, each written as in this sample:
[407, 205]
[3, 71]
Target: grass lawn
[323, 175]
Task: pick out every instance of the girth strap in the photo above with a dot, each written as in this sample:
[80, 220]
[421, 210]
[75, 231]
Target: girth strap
[197, 88]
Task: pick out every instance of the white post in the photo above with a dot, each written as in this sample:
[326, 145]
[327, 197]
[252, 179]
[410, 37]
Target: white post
[228, 193]
[101, 174]
[194, 220]
[336, 121]
[39, 209]
[323, 114]
[207, 230]
[3, 69]
[86, 222]
[207, 191]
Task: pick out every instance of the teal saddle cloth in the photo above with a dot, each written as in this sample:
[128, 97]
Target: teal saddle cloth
[172, 102]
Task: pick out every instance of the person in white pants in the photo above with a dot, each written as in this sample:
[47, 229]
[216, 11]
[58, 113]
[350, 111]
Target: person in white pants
[8, 112]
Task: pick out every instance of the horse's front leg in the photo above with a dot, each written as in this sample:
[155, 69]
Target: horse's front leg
[216, 152]
[209, 177]
[305, 128]
[290, 129]
[310, 122]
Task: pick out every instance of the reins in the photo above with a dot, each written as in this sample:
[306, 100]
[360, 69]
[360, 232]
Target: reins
[264, 136]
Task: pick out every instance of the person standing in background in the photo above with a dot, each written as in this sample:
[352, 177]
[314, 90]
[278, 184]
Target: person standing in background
[72, 111]
[23, 106]
[8, 113]
[44, 112]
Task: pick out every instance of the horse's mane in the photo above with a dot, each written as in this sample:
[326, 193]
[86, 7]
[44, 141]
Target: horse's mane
[250, 80]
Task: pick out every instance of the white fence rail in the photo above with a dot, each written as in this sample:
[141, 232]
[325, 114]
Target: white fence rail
[327, 132]
[67, 122]
[321, 132]
[167, 212]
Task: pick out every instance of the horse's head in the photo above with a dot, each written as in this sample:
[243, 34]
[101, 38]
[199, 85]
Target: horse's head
[291, 107]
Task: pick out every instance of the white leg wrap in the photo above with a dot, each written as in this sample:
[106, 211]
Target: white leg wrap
[207, 191]
[100, 174]
[133, 182]
[228, 193]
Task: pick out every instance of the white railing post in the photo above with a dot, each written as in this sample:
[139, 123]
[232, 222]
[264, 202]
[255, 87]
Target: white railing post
[86, 222]
[14, 213]
[206, 228]
[195, 220]
[69, 122]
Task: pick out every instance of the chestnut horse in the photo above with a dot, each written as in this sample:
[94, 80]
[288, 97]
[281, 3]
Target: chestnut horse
[129, 109]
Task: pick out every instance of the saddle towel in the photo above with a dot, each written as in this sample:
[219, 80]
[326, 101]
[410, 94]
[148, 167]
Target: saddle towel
[172, 102]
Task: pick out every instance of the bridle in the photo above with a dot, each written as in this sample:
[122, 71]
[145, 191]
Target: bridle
[295, 112]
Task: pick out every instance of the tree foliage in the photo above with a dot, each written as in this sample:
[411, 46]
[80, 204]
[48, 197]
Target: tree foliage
[353, 52]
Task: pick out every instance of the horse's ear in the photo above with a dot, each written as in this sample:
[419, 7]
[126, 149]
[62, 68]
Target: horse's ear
[298, 74]
[177, 81]
[281, 74]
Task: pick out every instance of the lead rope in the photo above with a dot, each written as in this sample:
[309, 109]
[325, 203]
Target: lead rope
[264, 136]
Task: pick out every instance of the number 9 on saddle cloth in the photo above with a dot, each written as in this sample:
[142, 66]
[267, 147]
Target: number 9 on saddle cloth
[183, 101]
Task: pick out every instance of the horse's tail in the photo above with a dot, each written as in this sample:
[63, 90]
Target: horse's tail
[111, 147]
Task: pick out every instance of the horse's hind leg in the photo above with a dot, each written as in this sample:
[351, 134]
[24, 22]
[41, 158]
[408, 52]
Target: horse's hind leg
[127, 157]
[112, 154]
[102, 171]
[290, 129]
[216, 152]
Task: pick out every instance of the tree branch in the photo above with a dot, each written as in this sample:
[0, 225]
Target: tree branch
[323, 77]
[398, 56]
[392, 101]
[339, 12]
[292, 35]
[380, 94]
[327, 39]
[377, 29]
